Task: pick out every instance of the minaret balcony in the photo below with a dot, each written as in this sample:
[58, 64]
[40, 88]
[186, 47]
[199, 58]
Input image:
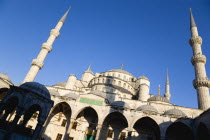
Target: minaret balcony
[198, 58]
[47, 47]
[37, 63]
[204, 82]
[195, 40]
[54, 32]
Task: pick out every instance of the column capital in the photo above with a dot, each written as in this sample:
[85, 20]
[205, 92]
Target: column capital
[37, 63]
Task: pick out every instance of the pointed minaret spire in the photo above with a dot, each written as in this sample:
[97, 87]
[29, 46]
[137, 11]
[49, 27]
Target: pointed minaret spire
[65, 15]
[167, 87]
[192, 21]
[201, 82]
[38, 63]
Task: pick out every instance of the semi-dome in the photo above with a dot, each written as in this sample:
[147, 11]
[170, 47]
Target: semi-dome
[175, 112]
[36, 88]
[5, 77]
[120, 71]
[143, 77]
[147, 109]
[120, 104]
[159, 98]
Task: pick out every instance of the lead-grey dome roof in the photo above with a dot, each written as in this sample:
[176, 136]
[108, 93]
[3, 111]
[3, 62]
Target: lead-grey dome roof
[98, 93]
[5, 77]
[147, 109]
[120, 71]
[159, 98]
[71, 95]
[175, 112]
[120, 104]
[53, 92]
[36, 88]
[60, 84]
[143, 77]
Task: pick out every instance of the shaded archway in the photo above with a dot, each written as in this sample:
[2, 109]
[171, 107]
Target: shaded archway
[113, 125]
[147, 129]
[58, 122]
[202, 132]
[179, 131]
[85, 124]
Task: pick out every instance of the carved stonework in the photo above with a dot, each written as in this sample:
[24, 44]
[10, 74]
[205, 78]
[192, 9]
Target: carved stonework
[195, 40]
[205, 82]
[198, 58]
[54, 32]
[47, 47]
[37, 63]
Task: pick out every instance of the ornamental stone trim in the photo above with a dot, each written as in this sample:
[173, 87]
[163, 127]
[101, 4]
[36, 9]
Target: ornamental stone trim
[195, 40]
[198, 58]
[47, 47]
[54, 32]
[204, 82]
[37, 63]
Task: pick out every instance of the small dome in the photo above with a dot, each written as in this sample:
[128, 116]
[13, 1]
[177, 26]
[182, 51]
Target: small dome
[175, 112]
[120, 104]
[120, 71]
[36, 88]
[143, 77]
[5, 77]
[159, 98]
[147, 109]
[60, 84]
[53, 92]
[71, 95]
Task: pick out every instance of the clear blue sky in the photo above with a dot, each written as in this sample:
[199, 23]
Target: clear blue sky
[148, 36]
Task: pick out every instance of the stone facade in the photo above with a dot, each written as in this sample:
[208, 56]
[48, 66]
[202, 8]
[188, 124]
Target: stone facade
[114, 104]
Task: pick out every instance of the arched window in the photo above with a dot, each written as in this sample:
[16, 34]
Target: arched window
[108, 81]
[119, 75]
[103, 80]
[124, 85]
[119, 83]
[114, 82]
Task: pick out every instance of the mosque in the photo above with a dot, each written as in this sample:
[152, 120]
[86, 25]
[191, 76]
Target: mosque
[111, 105]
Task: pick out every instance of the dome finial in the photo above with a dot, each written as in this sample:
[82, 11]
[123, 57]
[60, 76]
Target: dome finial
[122, 65]
[158, 89]
[192, 21]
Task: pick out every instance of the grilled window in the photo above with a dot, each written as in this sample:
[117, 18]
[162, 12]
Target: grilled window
[59, 136]
[64, 122]
[110, 133]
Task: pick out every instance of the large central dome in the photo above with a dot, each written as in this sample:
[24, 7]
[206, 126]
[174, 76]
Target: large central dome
[120, 71]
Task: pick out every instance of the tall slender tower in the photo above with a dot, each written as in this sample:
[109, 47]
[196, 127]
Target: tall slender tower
[201, 82]
[167, 87]
[38, 63]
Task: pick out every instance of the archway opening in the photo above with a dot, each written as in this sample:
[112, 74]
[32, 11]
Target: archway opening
[113, 126]
[58, 122]
[179, 131]
[85, 124]
[147, 129]
[202, 132]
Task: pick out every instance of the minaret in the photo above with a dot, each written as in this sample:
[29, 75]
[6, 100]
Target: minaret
[201, 82]
[38, 63]
[167, 87]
